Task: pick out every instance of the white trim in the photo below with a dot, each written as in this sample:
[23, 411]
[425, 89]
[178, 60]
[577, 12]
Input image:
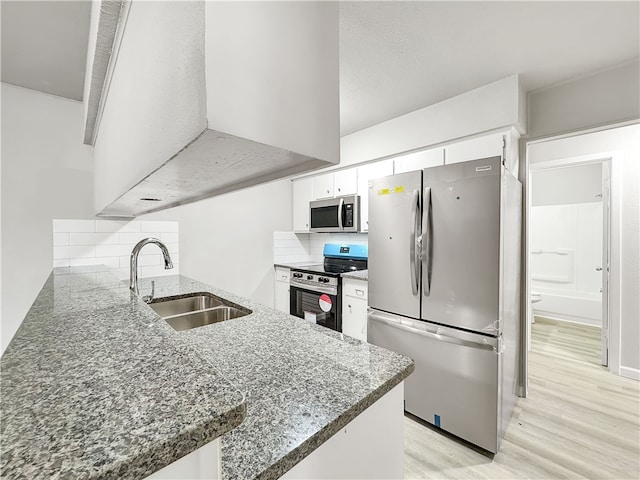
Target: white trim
[577, 133]
[630, 372]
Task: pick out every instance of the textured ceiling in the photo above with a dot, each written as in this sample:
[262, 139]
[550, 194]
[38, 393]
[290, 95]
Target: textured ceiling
[395, 57]
[44, 45]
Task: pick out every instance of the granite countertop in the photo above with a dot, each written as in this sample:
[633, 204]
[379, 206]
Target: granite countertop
[95, 385]
[300, 384]
[358, 275]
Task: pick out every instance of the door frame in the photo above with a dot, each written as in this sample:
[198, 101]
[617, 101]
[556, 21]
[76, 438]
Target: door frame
[614, 235]
[605, 163]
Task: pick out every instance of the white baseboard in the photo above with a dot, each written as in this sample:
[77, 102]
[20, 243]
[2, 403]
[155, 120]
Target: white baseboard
[630, 372]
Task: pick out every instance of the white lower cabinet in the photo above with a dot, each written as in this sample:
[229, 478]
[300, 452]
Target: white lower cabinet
[370, 446]
[281, 294]
[354, 308]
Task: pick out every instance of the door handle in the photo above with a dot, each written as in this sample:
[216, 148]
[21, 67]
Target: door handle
[426, 241]
[598, 269]
[340, 205]
[413, 240]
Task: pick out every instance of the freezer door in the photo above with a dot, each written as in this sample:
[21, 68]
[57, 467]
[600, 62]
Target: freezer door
[394, 228]
[455, 385]
[461, 245]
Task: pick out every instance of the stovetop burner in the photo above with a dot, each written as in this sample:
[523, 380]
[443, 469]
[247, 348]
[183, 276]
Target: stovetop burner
[338, 259]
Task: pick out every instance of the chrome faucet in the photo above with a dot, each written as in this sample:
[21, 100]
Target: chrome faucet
[133, 274]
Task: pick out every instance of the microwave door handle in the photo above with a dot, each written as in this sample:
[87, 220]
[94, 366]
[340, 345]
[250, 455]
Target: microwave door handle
[340, 205]
[426, 241]
[413, 241]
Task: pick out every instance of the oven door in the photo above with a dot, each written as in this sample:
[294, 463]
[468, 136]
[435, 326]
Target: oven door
[321, 308]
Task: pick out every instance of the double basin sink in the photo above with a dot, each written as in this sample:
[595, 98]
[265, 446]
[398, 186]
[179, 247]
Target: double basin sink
[193, 310]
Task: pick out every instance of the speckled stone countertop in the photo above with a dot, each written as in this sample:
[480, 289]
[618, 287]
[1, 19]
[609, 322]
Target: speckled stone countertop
[358, 275]
[302, 382]
[95, 385]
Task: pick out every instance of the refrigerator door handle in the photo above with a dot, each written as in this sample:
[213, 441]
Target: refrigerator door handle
[413, 241]
[340, 205]
[426, 241]
[396, 323]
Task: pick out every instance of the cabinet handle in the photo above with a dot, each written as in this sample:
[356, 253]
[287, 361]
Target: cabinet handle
[360, 292]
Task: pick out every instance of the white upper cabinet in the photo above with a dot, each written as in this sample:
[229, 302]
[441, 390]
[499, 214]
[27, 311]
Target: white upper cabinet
[419, 160]
[345, 182]
[474, 149]
[323, 186]
[366, 173]
[302, 195]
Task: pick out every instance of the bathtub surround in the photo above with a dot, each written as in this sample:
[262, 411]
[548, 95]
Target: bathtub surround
[290, 247]
[566, 249]
[109, 242]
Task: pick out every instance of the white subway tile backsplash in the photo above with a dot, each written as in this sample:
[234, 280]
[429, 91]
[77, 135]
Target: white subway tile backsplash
[84, 251]
[110, 242]
[117, 226]
[171, 237]
[60, 239]
[102, 238]
[112, 250]
[74, 226]
[289, 247]
[131, 238]
[158, 226]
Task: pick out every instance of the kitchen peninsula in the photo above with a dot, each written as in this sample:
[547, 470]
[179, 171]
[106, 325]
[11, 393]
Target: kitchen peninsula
[96, 385]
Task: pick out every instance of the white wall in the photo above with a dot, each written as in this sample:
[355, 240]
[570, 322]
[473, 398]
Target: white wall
[227, 241]
[495, 106]
[560, 186]
[602, 98]
[272, 74]
[623, 146]
[46, 173]
[150, 116]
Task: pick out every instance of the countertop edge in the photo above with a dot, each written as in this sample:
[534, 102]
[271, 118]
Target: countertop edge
[295, 456]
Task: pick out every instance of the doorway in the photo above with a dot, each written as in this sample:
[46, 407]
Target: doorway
[617, 149]
[569, 253]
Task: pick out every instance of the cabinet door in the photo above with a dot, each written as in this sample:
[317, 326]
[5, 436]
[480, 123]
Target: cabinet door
[354, 318]
[474, 149]
[281, 293]
[323, 186]
[302, 195]
[354, 308]
[345, 182]
[418, 160]
[366, 173]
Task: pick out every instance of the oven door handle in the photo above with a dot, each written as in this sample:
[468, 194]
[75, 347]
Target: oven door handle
[340, 206]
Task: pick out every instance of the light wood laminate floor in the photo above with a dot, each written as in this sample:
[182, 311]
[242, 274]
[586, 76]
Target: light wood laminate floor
[579, 420]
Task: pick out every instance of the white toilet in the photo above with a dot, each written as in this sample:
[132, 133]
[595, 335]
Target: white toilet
[535, 298]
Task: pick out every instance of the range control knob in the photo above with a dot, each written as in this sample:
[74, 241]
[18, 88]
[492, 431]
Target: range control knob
[309, 277]
[324, 280]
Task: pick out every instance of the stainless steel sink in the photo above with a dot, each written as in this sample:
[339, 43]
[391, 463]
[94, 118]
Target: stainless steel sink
[205, 317]
[170, 306]
[196, 310]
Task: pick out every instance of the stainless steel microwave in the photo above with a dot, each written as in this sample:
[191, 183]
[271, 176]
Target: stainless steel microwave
[340, 214]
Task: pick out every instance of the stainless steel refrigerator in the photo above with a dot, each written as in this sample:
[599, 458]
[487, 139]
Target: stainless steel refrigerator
[444, 273]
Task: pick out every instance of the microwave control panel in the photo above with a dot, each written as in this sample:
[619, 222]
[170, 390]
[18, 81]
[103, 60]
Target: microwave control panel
[348, 215]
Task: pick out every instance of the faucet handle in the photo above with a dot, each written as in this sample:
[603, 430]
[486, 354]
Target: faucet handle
[149, 298]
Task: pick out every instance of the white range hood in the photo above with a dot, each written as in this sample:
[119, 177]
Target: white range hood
[185, 100]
